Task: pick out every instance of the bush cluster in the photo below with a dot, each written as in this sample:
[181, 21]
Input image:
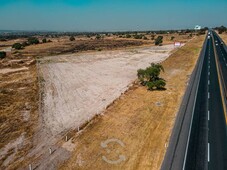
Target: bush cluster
[2, 54]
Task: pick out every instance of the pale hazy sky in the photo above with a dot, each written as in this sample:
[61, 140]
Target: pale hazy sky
[110, 15]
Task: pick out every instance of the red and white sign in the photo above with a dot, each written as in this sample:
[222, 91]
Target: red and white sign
[177, 44]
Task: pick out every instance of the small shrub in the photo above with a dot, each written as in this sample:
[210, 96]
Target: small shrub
[172, 38]
[17, 46]
[137, 36]
[128, 36]
[33, 40]
[145, 38]
[44, 40]
[98, 37]
[2, 54]
[3, 39]
[72, 38]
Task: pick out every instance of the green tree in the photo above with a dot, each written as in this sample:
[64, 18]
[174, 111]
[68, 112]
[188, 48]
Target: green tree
[72, 38]
[17, 46]
[2, 54]
[172, 38]
[138, 36]
[128, 36]
[98, 37]
[150, 77]
[221, 29]
[158, 40]
[44, 40]
[33, 40]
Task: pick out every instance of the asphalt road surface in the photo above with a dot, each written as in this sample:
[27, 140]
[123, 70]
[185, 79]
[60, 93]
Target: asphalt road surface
[199, 137]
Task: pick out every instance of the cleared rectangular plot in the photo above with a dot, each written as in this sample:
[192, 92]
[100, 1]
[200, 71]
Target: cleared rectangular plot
[79, 86]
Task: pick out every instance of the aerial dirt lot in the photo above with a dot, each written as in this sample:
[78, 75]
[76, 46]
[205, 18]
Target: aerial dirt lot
[27, 131]
[139, 123]
[79, 87]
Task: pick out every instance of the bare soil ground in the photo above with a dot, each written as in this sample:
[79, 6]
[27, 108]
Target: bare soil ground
[79, 87]
[142, 120]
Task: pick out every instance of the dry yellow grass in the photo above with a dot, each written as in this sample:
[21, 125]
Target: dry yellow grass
[224, 37]
[18, 111]
[141, 119]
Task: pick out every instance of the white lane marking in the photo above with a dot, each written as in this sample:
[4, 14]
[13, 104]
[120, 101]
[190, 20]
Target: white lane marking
[208, 115]
[208, 82]
[208, 73]
[208, 154]
[208, 95]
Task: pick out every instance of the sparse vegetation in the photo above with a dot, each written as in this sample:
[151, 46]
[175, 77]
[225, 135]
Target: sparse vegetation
[150, 77]
[2, 54]
[172, 38]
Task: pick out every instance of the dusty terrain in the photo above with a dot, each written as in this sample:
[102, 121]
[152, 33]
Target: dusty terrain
[77, 87]
[140, 119]
[25, 137]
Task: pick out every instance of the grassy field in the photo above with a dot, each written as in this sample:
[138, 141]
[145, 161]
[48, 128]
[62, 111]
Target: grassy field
[142, 120]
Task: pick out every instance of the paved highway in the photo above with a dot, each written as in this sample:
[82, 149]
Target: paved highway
[199, 137]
